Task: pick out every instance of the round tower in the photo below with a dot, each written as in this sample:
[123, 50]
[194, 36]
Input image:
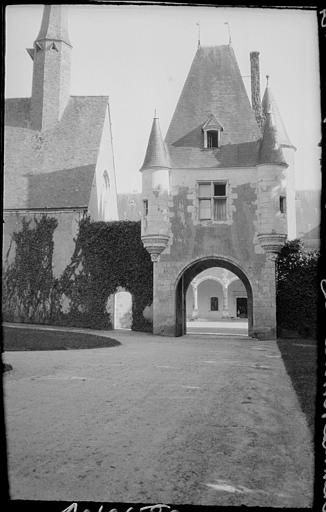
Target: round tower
[283, 152]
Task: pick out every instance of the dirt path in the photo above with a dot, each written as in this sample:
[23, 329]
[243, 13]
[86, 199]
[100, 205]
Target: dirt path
[191, 420]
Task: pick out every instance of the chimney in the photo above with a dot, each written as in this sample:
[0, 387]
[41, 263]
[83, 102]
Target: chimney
[255, 88]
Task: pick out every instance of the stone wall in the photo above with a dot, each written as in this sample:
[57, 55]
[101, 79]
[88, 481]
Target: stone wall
[253, 208]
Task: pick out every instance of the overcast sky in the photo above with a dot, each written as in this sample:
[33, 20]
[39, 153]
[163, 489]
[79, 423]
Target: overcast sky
[140, 57]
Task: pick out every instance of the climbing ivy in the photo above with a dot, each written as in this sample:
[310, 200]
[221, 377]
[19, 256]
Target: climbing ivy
[297, 288]
[28, 281]
[107, 255]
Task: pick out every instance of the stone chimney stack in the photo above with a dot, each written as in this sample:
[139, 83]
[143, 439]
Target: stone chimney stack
[255, 88]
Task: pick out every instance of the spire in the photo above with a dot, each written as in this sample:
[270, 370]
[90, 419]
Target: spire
[51, 68]
[157, 154]
[54, 24]
[269, 105]
[270, 148]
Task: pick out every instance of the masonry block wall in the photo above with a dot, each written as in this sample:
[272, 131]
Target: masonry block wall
[253, 207]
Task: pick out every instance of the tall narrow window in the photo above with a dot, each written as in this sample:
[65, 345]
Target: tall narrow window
[214, 303]
[145, 207]
[219, 201]
[282, 204]
[205, 192]
[212, 139]
[106, 180]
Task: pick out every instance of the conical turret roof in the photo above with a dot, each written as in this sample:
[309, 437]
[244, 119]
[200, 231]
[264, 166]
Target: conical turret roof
[269, 105]
[270, 148]
[214, 86]
[157, 154]
[54, 24]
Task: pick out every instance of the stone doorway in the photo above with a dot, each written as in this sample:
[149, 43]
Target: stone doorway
[119, 307]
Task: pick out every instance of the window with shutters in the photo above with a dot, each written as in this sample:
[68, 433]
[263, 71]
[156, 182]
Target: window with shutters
[212, 199]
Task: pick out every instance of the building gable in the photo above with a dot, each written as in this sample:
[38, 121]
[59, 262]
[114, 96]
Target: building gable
[55, 168]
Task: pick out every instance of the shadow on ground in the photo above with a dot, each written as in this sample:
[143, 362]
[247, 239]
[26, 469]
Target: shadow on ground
[300, 360]
[15, 339]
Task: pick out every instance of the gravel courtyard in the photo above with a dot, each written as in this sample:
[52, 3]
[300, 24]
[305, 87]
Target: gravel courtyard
[193, 420]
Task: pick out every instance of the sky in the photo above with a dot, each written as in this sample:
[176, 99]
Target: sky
[140, 57]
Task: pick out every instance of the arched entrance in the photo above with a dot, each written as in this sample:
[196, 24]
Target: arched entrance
[190, 272]
[122, 310]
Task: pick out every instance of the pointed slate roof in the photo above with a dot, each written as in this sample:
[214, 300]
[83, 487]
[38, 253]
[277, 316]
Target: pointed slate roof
[156, 154]
[54, 24]
[53, 169]
[270, 149]
[269, 105]
[214, 86]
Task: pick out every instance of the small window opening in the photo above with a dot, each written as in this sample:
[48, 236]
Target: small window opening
[219, 189]
[145, 207]
[214, 303]
[282, 204]
[106, 179]
[212, 139]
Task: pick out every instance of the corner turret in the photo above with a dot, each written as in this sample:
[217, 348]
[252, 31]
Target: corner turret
[277, 147]
[155, 193]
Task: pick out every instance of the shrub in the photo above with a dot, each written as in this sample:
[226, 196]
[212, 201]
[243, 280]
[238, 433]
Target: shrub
[297, 288]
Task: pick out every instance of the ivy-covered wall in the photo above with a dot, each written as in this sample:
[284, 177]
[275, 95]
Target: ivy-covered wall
[297, 289]
[107, 256]
[27, 282]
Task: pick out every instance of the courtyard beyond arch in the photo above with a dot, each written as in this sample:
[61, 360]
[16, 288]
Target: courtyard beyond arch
[195, 268]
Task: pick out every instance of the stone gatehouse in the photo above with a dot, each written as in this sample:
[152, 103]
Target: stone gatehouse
[218, 192]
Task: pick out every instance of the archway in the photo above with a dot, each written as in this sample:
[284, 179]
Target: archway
[122, 317]
[190, 272]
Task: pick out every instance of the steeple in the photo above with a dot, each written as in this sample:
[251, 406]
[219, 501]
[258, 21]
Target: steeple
[51, 68]
[269, 105]
[157, 153]
[54, 24]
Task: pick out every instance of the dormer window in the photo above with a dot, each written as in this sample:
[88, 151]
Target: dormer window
[211, 133]
[54, 47]
[212, 139]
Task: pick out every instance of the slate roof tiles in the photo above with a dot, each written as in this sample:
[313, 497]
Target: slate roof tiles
[213, 86]
[55, 168]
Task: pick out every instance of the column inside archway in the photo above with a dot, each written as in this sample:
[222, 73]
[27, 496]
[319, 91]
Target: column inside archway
[225, 312]
[195, 294]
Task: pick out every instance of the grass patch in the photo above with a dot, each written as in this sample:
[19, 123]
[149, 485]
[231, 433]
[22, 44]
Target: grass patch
[300, 359]
[15, 339]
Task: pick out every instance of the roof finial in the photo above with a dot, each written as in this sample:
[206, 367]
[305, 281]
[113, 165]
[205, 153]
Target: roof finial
[229, 30]
[267, 78]
[198, 25]
[155, 114]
